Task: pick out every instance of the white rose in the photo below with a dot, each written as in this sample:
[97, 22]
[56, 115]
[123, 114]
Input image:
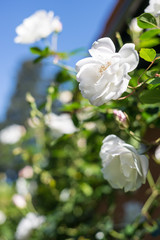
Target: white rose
[103, 76]
[123, 167]
[60, 124]
[39, 25]
[12, 134]
[153, 7]
[134, 26]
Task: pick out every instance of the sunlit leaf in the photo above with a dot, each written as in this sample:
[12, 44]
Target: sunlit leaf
[147, 54]
[149, 34]
[150, 42]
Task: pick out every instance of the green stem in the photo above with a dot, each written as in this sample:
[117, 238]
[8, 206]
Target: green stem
[68, 68]
[152, 197]
[131, 134]
[48, 106]
[122, 98]
[116, 235]
[149, 202]
[151, 181]
[134, 89]
[119, 39]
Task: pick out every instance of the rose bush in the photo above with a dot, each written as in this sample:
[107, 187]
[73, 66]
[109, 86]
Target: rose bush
[104, 75]
[52, 187]
[123, 167]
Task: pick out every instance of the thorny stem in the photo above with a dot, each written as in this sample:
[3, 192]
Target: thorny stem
[139, 85]
[122, 98]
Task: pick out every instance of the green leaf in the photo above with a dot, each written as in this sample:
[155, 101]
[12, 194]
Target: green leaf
[75, 120]
[86, 189]
[146, 20]
[36, 50]
[71, 107]
[148, 54]
[149, 34]
[150, 96]
[147, 43]
[38, 59]
[152, 72]
[45, 52]
[155, 81]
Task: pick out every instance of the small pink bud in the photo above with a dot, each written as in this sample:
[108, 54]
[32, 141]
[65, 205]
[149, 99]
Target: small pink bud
[157, 75]
[26, 172]
[121, 117]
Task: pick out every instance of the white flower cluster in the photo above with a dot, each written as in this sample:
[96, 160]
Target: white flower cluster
[25, 227]
[103, 77]
[39, 25]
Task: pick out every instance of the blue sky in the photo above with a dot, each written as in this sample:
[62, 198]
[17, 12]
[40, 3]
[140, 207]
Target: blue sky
[82, 22]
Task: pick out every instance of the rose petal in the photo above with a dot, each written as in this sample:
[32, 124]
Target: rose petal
[82, 62]
[105, 43]
[144, 164]
[102, 54]
[111, 172]
[129, 56]
[127, 166]
[89, 74]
